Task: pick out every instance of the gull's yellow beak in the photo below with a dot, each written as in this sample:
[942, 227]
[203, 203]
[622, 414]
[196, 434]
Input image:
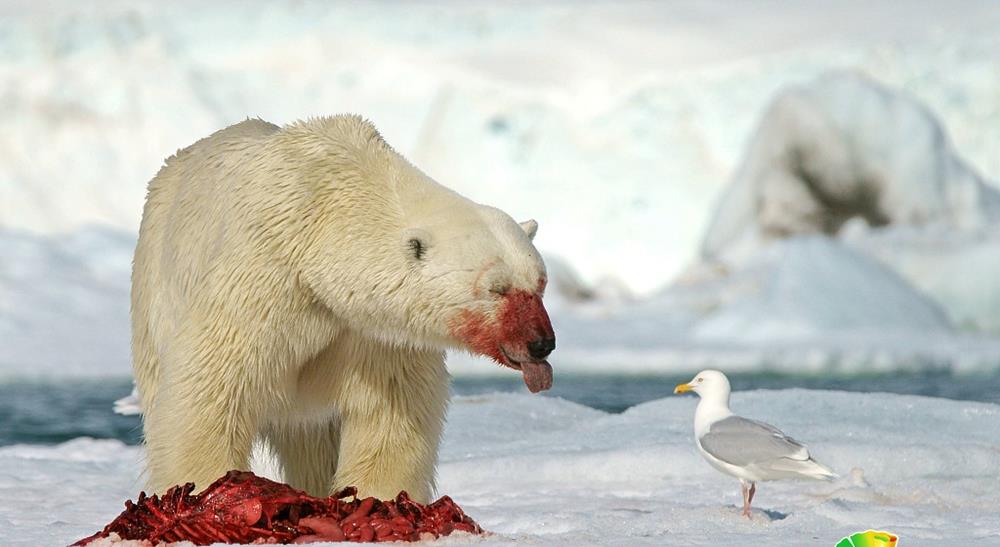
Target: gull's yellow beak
[682, 388]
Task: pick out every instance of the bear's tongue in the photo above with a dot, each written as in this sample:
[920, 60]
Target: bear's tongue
[537, 375]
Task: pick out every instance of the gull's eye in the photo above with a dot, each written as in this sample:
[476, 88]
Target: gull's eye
[701, 379]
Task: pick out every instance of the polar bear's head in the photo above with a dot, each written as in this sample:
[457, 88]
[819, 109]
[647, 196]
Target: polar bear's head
[486, 280]
[397, 256]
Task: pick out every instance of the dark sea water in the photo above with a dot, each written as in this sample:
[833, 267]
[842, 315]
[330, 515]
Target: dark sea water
[56, 411]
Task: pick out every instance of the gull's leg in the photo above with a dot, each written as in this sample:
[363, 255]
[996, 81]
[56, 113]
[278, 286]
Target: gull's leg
[744, 491]
[748, 492]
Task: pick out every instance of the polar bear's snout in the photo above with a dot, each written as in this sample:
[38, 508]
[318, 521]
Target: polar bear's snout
[541, 348]
[520, 336]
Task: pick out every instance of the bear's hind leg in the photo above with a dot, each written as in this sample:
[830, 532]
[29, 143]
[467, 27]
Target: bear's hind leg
[308, 454]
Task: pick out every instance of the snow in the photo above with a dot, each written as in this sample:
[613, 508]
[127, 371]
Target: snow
[542, 470]
[639, 113]
[844, 146]
[959, 270]
[616, 128]
[810, 287]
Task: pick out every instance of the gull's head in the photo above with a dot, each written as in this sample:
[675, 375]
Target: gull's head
[708, 384]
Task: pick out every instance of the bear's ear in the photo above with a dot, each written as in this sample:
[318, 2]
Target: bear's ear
[530, 227]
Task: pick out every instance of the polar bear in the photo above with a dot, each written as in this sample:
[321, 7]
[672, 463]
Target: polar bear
[301, 284]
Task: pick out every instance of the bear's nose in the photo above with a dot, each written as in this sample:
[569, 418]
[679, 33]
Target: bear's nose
[541, 348]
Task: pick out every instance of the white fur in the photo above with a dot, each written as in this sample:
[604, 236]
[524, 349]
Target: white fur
[276, 293]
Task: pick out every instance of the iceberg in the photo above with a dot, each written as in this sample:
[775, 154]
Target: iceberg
[851, 158]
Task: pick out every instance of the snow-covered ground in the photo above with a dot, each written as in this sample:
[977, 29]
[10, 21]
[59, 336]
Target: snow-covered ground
[545, 471]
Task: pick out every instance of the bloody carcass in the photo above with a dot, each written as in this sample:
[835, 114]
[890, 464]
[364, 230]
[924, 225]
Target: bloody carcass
[241, 507]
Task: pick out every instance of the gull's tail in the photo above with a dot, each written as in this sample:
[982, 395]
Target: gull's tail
[814, 470]
[801, 469]
[822, 472]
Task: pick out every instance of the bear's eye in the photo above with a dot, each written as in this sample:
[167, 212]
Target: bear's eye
[417, 248]
[499, 288]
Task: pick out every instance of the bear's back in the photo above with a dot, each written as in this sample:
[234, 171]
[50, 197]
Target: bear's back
[207, 162]
[190, 217]
[212, 149]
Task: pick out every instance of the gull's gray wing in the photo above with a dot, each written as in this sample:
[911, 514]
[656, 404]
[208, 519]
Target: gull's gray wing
[742, 442]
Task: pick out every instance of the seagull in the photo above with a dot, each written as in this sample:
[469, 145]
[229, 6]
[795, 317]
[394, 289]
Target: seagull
[749, 450]
[129, 405]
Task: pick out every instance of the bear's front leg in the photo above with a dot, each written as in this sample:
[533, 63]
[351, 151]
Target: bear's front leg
[392, 403]
[198, 429]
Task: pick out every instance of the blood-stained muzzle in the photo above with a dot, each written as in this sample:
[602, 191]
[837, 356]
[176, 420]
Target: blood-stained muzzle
[520, 336]
[523, 320]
